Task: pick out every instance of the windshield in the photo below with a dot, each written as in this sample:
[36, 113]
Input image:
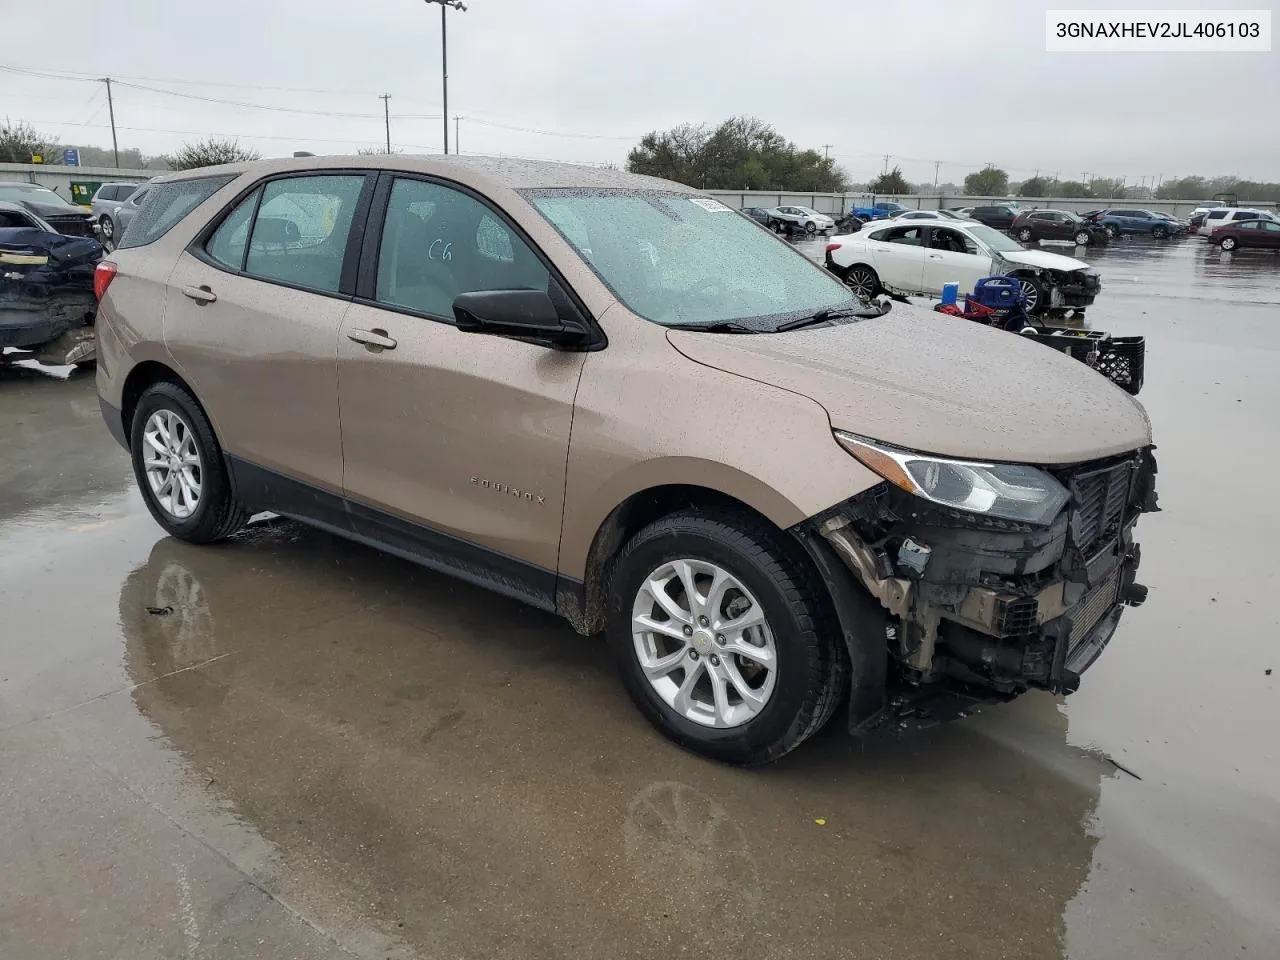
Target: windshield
[1072, 217]
[678, 259]
[994, 239]
[18, 193]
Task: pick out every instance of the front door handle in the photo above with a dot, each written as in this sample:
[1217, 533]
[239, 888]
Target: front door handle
[374, 339]
[935, 256]
[201, 294]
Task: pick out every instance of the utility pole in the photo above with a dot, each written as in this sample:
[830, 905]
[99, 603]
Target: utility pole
[111, 109]
[826, 148]
[386, 113]
[444, 59]
[936, 165]
[457, 134]
[886, 164]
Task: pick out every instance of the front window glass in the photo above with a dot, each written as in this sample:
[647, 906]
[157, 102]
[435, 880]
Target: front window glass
[994, 239]
[678, 259]
[438, 242]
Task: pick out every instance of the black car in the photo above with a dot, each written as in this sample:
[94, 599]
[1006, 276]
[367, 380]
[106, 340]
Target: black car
[759, 214]
[47, 304]
[65, 218]
[1034, 225]
[1000, 216]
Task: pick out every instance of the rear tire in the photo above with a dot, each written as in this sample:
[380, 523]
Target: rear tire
[1227, 243]
[1025, 234]
[1160, 233]
[810, 672]
[213, 513]
[810, 228]
[862, 280]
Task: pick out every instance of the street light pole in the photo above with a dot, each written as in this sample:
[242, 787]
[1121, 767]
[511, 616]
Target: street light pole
[444, 58]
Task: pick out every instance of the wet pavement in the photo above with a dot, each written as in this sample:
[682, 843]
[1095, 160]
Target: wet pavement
[292, 746]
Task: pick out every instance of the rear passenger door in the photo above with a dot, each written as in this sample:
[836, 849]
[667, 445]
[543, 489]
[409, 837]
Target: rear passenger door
[899, 257]
[252, 316]
[455, 444]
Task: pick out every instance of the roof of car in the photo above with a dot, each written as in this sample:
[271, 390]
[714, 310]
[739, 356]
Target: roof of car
[11, 206]
[513, 173]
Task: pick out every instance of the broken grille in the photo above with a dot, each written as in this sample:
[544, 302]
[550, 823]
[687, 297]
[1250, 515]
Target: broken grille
[1086, 614]
[1100, 501]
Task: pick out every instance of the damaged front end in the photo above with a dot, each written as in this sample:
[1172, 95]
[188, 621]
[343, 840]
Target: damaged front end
[979, 608]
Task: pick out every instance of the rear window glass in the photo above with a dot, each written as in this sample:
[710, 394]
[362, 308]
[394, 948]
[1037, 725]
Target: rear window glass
[166, 204]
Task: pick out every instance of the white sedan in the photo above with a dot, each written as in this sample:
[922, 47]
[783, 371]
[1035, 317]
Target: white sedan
[803, 218]
[916, 257]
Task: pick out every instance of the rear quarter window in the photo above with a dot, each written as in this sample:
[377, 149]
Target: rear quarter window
[166, 204]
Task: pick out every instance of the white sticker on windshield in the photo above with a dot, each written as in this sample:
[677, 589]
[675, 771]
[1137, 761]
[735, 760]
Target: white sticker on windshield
[711, 206]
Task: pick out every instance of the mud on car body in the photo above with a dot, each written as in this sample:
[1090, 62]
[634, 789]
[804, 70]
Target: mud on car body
[46, 288]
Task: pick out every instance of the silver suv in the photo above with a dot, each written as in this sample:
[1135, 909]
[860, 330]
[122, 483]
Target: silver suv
[109, 199]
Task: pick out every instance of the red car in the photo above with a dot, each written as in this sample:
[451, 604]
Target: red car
[1248, 233]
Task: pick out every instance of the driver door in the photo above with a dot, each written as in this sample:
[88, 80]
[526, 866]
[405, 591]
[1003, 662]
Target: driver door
[454, 444]
[953, 257]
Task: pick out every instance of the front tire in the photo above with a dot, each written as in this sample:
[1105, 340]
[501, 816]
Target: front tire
[1227, 243]
[810, 228]
[180, 469]
[1112, 232]
[1033, 298]
[1082, 238]
[722, 636]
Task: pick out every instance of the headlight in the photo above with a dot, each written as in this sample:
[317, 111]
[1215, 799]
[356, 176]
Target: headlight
[1009, 491]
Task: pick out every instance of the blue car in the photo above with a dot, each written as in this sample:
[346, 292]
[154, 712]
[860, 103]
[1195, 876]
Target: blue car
[1129, 221]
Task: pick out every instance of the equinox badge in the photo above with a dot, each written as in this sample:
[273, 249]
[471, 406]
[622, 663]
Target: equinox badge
[509, 490]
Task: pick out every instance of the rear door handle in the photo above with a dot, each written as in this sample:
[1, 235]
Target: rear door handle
[375, 338]
[200, 294]
[935, 256]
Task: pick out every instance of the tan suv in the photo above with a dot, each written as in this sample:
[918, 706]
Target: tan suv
[615, 398]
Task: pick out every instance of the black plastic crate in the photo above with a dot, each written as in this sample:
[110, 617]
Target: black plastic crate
[1123, 360]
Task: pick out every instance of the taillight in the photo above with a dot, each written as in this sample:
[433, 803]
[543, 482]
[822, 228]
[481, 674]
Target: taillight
[103, 274]
[834, 246]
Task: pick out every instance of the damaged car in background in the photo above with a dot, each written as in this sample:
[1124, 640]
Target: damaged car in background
[47, 301]
[920, 257]
[777, 502]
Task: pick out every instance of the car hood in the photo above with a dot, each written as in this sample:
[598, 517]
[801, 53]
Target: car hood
[926, 382]
[1045, 260]
[42, 209]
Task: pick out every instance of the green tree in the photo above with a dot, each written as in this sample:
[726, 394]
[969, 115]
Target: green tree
[209, 153]
[893, 183]
[742, 153]
[1109, 187]
[20, 141]
[1036, 186]
[1070, 188]
[988, 182]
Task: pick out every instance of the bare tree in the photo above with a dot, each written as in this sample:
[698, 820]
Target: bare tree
[20, 141]
[208, 153]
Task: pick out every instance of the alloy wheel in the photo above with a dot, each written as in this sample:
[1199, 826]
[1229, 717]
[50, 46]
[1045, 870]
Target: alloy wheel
[1030, 295]
[703, 643]
[862, 282]
[1024, 235]
[171, 461]
[1082, 238]
[1228, 243]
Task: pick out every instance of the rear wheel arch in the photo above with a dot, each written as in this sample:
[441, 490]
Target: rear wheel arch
[144, 375]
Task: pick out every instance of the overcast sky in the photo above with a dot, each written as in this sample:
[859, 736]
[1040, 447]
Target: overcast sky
[960, 81]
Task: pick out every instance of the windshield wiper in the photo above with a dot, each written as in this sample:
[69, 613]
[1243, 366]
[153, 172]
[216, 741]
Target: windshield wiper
[724, 326]
[822, 316]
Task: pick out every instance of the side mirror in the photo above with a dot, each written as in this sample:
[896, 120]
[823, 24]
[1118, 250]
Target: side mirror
[522, 314]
